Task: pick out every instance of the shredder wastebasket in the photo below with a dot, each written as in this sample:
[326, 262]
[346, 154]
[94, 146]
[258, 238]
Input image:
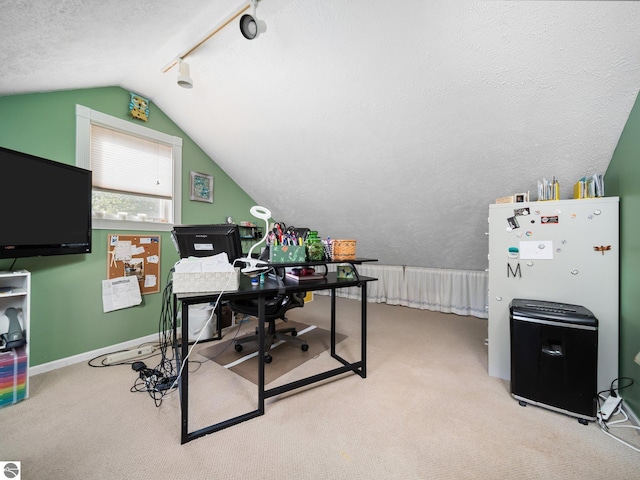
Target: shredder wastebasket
[554, 356]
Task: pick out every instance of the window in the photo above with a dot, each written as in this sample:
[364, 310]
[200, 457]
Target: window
[136, 172]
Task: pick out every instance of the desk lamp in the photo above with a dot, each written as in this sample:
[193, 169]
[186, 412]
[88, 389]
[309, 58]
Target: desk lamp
[253, 265]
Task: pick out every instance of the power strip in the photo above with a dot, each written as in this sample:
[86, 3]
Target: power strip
[120, 357]
[610, 406]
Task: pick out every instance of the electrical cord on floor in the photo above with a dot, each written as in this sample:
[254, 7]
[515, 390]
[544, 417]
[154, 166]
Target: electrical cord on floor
[607, 425]
[162, 379]
[203, 329]
[149, 380]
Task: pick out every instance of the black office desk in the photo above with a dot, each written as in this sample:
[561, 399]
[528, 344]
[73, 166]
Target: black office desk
[270, 288]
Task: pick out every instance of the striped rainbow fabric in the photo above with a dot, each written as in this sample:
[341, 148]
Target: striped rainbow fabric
[13, 376]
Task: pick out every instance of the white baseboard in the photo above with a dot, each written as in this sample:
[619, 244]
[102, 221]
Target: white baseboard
[632, 415]
[85, 357]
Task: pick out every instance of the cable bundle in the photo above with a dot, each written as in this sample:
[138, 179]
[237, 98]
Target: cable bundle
[163, 379]
[607, 425]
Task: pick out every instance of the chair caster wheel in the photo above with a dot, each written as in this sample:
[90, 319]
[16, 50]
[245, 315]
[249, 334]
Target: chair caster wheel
[268, 358]
[238, 347]
[304, 347]
[294, 333]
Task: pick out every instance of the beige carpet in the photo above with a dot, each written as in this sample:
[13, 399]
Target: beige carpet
[286, 356]
[427, 410]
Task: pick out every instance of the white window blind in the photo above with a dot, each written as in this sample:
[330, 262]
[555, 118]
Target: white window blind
[136, 170]
[122, 162]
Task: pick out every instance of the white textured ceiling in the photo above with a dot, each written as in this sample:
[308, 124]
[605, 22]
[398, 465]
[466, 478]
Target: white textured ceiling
[394, 123]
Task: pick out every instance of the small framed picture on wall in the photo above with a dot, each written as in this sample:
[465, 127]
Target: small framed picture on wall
[201, 187]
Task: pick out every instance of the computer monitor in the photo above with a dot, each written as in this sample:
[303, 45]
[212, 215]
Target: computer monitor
[207, 240]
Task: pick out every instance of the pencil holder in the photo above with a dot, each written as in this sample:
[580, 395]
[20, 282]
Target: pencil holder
[287, 254]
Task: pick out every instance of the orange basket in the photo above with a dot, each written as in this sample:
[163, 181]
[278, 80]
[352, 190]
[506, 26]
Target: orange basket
[343, 250]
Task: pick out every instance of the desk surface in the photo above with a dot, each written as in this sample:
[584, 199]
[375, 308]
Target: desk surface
[273, 286]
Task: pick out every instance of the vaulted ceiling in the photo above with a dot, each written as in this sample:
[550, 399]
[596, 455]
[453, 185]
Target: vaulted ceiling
[394, 123]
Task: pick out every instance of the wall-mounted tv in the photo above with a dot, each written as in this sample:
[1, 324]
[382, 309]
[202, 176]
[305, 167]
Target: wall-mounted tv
[45, 207]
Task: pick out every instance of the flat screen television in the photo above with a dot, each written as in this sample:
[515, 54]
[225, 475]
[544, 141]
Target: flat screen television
[45, 206]
[207, 240]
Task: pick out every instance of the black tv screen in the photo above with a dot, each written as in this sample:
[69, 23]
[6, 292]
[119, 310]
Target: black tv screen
[207, 240]
[46, 207]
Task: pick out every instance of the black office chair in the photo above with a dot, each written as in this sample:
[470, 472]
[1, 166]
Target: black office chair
[275, 308]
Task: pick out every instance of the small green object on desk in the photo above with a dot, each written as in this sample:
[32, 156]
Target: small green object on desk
[345, 272]
[316, 251]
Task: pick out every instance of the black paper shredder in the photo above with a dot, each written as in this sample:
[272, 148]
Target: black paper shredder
[554, 356]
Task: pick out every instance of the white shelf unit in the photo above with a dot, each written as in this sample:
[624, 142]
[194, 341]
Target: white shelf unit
[15, 291]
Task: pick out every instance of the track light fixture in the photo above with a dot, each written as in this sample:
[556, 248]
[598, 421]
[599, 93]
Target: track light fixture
[184, 79]
[250, 26]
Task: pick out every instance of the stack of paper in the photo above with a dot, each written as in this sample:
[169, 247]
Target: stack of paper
[214, 263]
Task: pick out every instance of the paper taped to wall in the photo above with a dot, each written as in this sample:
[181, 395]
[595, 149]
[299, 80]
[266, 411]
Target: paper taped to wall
[121, 292]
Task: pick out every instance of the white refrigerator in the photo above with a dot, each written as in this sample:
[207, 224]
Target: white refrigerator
[564, 251]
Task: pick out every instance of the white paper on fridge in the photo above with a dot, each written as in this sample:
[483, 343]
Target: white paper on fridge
[536, 250]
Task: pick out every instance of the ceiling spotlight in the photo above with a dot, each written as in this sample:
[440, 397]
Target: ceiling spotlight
[250, 26]
[184, 79]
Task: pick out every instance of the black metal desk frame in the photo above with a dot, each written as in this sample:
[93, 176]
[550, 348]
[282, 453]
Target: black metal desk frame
[270, 288]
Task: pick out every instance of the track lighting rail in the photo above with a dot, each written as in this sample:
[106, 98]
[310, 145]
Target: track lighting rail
[184, 55]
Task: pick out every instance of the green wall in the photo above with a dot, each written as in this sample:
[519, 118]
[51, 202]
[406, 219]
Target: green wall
[623, 179]
[66, 291]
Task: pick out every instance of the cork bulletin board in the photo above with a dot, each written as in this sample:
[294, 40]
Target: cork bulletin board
[138, 255]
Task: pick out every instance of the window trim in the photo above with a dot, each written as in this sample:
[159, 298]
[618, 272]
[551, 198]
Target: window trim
[84, 118]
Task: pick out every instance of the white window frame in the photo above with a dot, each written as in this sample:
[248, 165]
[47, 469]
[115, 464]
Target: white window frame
[85, 117]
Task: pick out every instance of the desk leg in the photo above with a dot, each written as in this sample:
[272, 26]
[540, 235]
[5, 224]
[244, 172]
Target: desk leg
[183, 384]
[362, 369]
[218, 320]
[261, 353]
[175, 327]
[333, 322]
[363, 317]
[358, 367]
[184, 377]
